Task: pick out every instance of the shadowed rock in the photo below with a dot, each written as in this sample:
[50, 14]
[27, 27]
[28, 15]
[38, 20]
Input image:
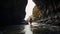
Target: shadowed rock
[12, 13]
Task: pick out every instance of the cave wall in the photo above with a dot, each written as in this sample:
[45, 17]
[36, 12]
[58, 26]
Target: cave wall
[53, 6]
[12, 12]
[50, 9]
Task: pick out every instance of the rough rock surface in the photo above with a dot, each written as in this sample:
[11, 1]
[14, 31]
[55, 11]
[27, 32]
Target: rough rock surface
[50, 11]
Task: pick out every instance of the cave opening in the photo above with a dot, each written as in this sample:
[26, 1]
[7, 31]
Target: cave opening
[29, 9]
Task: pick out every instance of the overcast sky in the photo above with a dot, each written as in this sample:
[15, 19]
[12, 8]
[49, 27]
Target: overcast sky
[29, 8]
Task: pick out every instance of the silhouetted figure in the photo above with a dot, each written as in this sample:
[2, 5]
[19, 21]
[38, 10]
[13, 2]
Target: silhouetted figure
[30, 21]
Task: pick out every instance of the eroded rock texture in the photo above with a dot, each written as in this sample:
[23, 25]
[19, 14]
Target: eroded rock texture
[36, 12]
[50, 23]
[51, 5]
[50, 10]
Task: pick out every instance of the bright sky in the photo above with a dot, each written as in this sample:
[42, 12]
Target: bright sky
[29, 8]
